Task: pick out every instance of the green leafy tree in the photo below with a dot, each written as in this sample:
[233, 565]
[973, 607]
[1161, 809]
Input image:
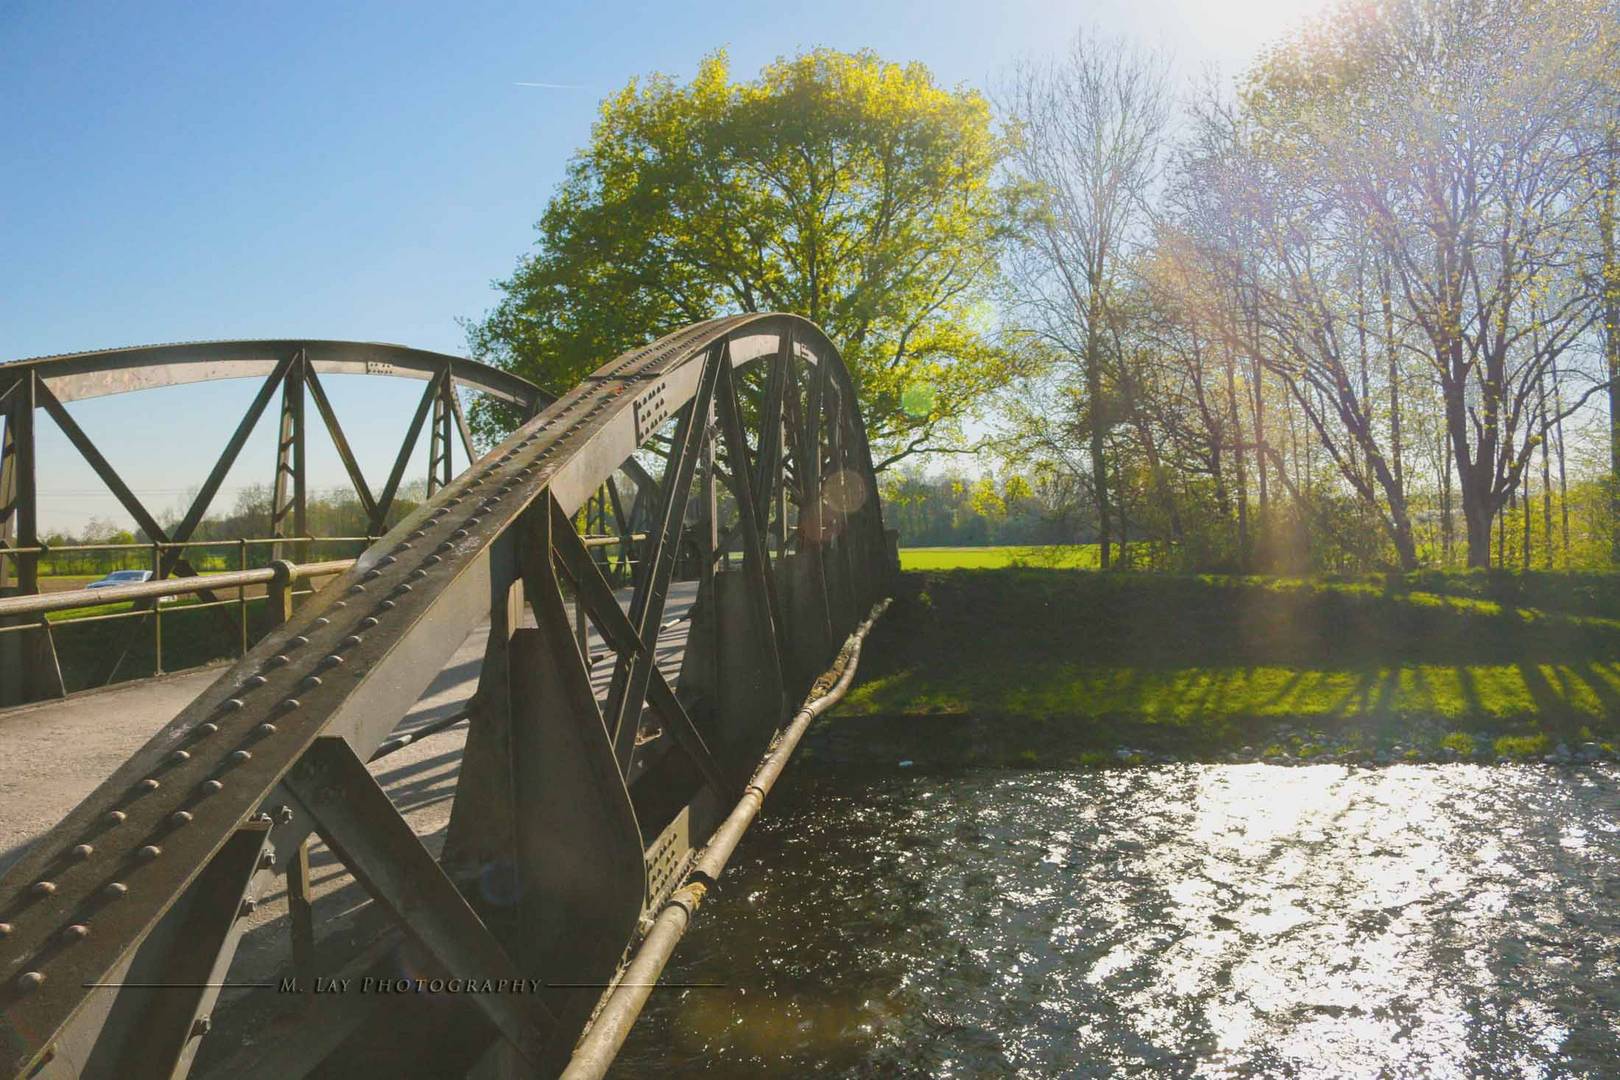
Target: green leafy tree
[838, 186]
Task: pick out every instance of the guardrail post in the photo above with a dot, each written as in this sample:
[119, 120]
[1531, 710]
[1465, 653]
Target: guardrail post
[157, 612]
[241, 594]
[279, 593]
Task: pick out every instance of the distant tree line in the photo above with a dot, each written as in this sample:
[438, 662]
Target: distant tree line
[333, 513]
[959, 511]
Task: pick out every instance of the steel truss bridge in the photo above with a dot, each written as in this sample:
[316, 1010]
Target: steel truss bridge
[636, 690]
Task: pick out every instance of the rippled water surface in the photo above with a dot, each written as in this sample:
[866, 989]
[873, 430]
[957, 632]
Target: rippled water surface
[1189, 920]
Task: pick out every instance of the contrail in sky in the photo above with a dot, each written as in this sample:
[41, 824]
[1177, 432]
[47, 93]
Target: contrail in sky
[551, 85]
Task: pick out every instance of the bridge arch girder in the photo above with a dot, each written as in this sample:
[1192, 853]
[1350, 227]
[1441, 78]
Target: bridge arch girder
[764, 457]
[75, 376]
[286, 368]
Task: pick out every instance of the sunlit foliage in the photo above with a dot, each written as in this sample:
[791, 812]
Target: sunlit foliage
[853, 191]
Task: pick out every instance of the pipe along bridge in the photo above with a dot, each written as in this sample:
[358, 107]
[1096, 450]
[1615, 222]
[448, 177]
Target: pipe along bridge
[451, 809]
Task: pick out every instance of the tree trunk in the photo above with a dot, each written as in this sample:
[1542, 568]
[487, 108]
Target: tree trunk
[1121, 505]
[1239, 462]
[1607, 227]
[1447, 531]
[1546, 483]
[1405, 541]
[1392, 359]
[1477, 514]
[1524, 504]
[1258, 407]
[1563, 479]
[1099, 470]
[1478, 528]
[1501, 533]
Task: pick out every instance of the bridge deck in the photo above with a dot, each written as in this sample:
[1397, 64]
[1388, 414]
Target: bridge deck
[54, 754]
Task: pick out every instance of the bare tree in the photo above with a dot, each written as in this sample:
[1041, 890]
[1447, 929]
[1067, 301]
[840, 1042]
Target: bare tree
[1090, 128]
[1445, 125]
[1372, 285]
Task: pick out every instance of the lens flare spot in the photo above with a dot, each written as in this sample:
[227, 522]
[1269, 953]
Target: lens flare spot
[845, 491]
[498, 881]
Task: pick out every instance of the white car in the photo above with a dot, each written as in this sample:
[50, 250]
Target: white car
[128, 577]
[121, 577]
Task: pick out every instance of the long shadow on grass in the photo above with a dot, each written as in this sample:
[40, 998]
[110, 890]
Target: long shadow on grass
[1205, 652]
[1147, 621]
[1602, 688]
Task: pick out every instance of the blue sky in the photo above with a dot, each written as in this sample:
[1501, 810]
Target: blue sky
[366, 170]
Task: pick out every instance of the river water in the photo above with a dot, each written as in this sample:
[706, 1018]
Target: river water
[1185, 920]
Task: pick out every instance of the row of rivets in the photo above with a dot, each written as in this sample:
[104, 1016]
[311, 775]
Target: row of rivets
[211, 786]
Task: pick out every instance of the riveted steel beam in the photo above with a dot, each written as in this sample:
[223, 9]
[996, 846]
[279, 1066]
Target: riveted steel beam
[73, 376]
[340, 442]
[289, 493]
[360, 825]
[628, 693]
[756, 560]
[320, 693]
[596, 595]
[446, 410]
[385, 501]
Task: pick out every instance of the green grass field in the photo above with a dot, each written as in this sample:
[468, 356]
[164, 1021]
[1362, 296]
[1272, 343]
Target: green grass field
[1076, 556]
[1202, 664]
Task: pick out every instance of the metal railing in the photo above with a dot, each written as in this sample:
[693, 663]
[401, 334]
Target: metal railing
[142, 545]
[30, 612]
[280, 580]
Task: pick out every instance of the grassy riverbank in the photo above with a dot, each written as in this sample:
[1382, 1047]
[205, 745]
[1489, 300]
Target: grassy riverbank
[1085, 664]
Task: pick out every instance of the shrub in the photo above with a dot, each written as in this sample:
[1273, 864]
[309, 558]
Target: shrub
[1460, 741]
[1522, 745]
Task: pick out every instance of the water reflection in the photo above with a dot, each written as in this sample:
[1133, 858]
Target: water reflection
[1191, 920]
